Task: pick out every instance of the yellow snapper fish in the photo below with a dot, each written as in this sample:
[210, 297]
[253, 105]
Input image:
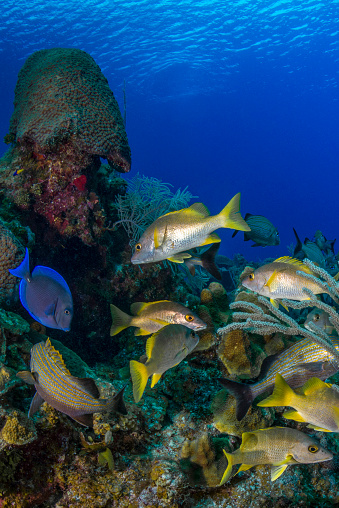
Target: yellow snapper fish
[321, 320]
[298, 363]
[279, 280]
[278, 446]
[77, 397]
[164, 349]
[262, 232]
[316, 403]
[150, 317]
[173, 234]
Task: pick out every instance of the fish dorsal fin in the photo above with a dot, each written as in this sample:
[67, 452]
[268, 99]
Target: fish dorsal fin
[150, 343]
[313, 385]
[137, 307]
[249, 440]
[51, 274]
[196, 209]
[294, 262]
[86, 384]
[56, 357]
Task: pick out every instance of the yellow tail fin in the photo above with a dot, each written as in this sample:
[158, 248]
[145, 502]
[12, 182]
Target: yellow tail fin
[120, 320]
[282, 395]
[228, 472]
[231, 217]
[139, 375]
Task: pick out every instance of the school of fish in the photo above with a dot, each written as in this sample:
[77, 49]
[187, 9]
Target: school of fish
[294, 378]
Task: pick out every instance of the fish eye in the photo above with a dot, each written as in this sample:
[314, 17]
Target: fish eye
[316, 317]
[138, 246]
[67, 312]
[277, 233]
[313, 448]
[189, 318]
[193, 334]
[251, 276]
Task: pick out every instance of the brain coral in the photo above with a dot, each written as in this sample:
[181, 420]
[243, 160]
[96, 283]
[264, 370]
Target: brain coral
[62, 93]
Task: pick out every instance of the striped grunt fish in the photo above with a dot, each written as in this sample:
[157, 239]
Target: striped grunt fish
[77, 397]
[298, 363]
[262, 232]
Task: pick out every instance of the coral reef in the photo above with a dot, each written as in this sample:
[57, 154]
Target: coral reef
[11, 254]
[52, 166]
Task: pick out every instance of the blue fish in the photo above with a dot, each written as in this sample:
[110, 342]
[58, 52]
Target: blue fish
[45, 295]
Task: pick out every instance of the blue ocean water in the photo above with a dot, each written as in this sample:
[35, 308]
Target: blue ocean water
[221, 96]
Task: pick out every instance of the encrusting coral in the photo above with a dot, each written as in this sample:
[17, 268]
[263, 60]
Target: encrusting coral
[11, 254]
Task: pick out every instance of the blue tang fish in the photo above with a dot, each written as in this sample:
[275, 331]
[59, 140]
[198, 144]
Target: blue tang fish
[45, 295]
[77, 397]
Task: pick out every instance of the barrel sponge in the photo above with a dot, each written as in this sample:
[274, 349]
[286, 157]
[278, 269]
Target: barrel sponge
[62, 93]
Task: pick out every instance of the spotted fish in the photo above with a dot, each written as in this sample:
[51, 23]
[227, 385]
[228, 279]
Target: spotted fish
[300, 362]
[77, 397]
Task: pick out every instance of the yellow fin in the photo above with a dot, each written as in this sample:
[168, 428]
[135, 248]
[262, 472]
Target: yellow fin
[294, 415]
[277, 471]
[295, 262]
[212, 238]
[313, 385]
[228, 470]
[139, 375]
[274, 303]
[155, 379]
[244, 467]
[120, 320]
[320, 429]
[150, 343]
[336, 415]
[56, 357]
[196, 209]
[141, 331]
[282, 395]
[156, 238]
[336, 277]
[249, 440]
[230, 215]
[180, 257]
[271, 279]
[138, 307]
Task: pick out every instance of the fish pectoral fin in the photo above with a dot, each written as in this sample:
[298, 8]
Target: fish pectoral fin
[50, 309]
[336, 415]
[278, 468]
[85, 420]
[320, 429]
[157, 242]
[86, 384]
[212, 238]
[270, 280]
[315, 367]
[26, 376]
[141, 331]
[150, 343]
[277, 471]
[294, 415]
[244, 467]
[155, 379]
[274, 303]
[180, 257]
[35, 404]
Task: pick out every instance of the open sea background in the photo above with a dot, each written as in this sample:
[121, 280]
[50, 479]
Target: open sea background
[222, 97]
